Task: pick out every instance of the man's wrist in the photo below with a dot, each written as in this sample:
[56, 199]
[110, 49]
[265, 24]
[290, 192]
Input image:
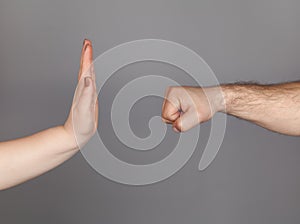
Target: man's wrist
[239, 96]
[216, 98]
[231, 94]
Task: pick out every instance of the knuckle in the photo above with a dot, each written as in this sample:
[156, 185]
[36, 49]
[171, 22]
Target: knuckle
[164, 120]
[178, 125]
[165, 114]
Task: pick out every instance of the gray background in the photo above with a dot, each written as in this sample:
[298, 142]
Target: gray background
[255, 177]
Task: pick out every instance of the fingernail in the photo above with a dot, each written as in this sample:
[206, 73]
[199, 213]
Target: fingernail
[85, 44]
[86, 81]
[85, 47]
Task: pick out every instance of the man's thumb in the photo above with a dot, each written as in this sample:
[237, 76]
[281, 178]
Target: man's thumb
[186, 121]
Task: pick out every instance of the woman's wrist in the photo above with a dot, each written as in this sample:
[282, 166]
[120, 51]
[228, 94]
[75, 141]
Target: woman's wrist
[68, 137]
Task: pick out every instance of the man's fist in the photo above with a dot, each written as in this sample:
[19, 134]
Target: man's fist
[185, 107]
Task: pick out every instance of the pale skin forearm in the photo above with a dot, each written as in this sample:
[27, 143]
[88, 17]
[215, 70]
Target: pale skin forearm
[25, 158]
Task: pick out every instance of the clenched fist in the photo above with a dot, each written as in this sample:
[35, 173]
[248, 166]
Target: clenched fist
[185, 107]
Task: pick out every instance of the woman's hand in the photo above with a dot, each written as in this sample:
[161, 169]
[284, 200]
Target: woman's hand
[83, 118]
[25, 158]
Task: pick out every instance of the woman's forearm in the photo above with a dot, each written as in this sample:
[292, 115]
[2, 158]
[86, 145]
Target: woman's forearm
[28, 157]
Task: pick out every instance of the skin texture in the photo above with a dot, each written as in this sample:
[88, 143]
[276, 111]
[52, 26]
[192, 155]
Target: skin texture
[275, 107]
[25, 158]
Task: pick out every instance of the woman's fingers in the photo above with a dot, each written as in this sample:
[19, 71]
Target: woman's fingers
[87, 77]
[81, 59]
[88, 103]
[84, 111]
[86, 67]
[86, 60]
[88, 94]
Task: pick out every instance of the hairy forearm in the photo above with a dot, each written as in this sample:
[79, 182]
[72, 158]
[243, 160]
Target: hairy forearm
[25, 158]
[275, 107]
